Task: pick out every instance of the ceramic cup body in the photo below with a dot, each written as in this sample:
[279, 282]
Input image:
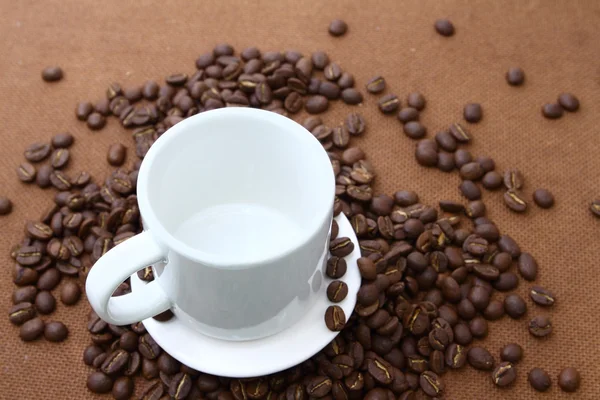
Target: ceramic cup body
[237, 205]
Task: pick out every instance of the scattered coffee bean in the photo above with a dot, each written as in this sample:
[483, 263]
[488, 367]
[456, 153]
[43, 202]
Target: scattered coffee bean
[116, 154]
[480, 358]
[367, 269]
[316, 104]
[59, 158]
[55, 331]
[45, 303]
[473, 112]
[539, 379]
[21, 313]
[37, 152]
[540, 326]
[569, 379]
[426, 155]
[552, 110]
[512, 352]
[389, 103]
[444, 27]
[431, 384]
[70, 293]
[355, 124]
[504, 374]
[408, 114]
[414, 130]
[460, 133]
[515, 306]
[376, 84]
[341, 247]
[470, 190]
[543, 198]
[26, 172]
[335, 319]
[462, 157]
[337, 291]
[351, 96]
[492, 180]
[514, 201]
[52, 74]
[338, 27]
[6, 205]
[31, 330]
[471, 171]
[568, 102]
[96, 121]
[416, 100]
[99, 383]
[63, 140]
[594, 208]
[515, 76]
[527, 266]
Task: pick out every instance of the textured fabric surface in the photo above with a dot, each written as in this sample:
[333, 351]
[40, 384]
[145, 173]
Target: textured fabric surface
[555, 42]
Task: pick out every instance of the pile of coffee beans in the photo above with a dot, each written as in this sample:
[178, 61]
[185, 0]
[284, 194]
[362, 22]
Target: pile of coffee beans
[433, 279]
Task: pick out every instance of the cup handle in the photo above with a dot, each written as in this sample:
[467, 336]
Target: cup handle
[113, 268]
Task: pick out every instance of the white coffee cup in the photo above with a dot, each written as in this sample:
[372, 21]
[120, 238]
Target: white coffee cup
[238, 203]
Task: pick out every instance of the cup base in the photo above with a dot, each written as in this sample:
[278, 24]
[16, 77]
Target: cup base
[237, 359]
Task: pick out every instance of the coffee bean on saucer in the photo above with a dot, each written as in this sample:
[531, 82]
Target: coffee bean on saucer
[568, 102]
[543, 198]
[336, 267]
[444, 27]
[504, 374]
[473, 112]
[164, 316]
[31, 330]
[98, 382]
[515, 76]
[337, 291]
[52, 74]
[6, 205]
[338, 27]
[376, 84]
[539, 379]
[335, 319]
[512, 352]
[569, 379]
[552, 110]
[540, 326]
[55, 331]
[341, 247]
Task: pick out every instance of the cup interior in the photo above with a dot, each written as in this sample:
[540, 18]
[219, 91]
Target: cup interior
[234, 187]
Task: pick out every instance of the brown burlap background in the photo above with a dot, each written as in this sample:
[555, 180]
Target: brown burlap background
[126, 41]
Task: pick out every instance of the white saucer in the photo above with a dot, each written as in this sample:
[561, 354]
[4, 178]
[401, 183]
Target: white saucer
[265, 356]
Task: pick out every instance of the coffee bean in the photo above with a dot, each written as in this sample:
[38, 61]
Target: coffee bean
[456, 356]
[462, 157]
[59, 158]
[540, 326]
[341, 247]
[552, 110]
[569, 379]
[470, 190]
[406, 198]
[26, 172]
[451, 206]
[460, 133]
[115, 362]
[24, 294]
[103, 107]
[335, 319]
[515, 76]
[346, 80]
[116, 154]
[148, 348]
[492, 180]
[329, 90]
[408, 114]
[98, 382]
[52, 74]
[96, 121]
[388, 103]
[316, 104]
[504, 374]
[478, 327]
[426, 156]
[55, 331]
[494, 310]
[319, 386]
[568, 101]
[31, 330]
[473, 112]
[512, 352]
[351, 96]
[415, 130]
[337, 291]
[539, 379]
[481, 359]
[445, 161]
[45, 302]
[431, 384]
[444, 27]
[37, 152]
[508, 245]
[514, 201]
[367, 268]
[543, 198]
[70, 293]
[355, 124]
[515, 306]
[337, 27]
[541, 296]
[513, 179]
[376, 84]
[527, 266]
[122, 388]
[49, 279]
[471, 171]
[5, 205]
[21, 313]
[24, 276]
[594, 208]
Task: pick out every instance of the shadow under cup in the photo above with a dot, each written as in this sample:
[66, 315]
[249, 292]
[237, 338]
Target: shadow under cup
[242, 199]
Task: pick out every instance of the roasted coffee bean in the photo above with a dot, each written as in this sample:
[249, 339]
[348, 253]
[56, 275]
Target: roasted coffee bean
[515, 306]
[24, 294]
[473, 112]
[541, 296]
[508, 245]
[426, 156]
[332, 71]
[115, 362]
[376, 84]
[514, 201]
[45, 302]
[494, 310]
[52, 74]
[379, 371]
[408, 114]
[594, 208]
[416, 100]
[318, 386]
[336, 267]
[569, 379]
[329, 90]
[540, 326]
[337, 291]
[406, 198]
[389, 103]
[351, 96]
[60, 180]
[24, 276]
[37, 152]
[148, 348]
[543, 198]
[367, 269]
[414, 130]
[539, 379]
[481, 359]
[444, 27]
[513, 179]
[116, 154]
[504, 374]
[341, 247]
[367, 294]
[335, 319]
[42, 178]
[122, 388]
[31, 330]
[64, 140]
[26, 172]
[316, 104]
[471, 171]
[355, 124]
[59, 158]
[5, 205]
[478, 327]
[55, 331]
[451, 206]
[460, 133]
[527, 266]
[21, 313]
[180, 386]
[512, 352]
[49, 279]
[515, 76]
[431, 384]
[96, 121]
[568, 101]
[456, 356]
[470, 190]
[552, 110]
[337, 27]
[99, 383]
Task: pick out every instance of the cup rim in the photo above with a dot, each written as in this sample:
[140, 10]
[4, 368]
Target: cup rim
[153, 224]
